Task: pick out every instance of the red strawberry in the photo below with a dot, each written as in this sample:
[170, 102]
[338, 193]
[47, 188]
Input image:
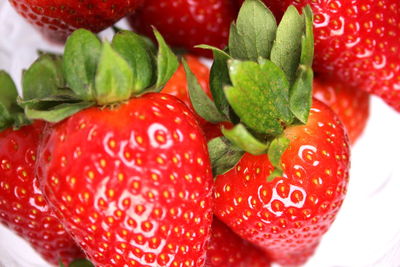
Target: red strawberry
[177, 86]
[357, 42]
[58, 19]
[127, 171]
[282, 169]
[350, 104]
[186, 23]
[23, 208]
[226, 249]
[288, 215]
[133, 177]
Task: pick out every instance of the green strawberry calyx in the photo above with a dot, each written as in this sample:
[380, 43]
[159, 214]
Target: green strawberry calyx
[261, 83]
[11, 114]
[92, 72]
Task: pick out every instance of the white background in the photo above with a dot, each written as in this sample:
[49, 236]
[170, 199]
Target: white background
[367, 230]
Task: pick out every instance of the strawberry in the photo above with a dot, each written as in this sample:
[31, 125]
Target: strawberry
[226, 249]
[23, 208]
[356, 42]
[186, 23]
[288, 215]
[56, 20]
[151, 191]
[282, 170]
[350, 104]
[126, 170]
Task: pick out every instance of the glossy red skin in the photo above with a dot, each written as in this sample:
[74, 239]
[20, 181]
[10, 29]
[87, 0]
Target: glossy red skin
[133, 184]
[357, 42]
[186, 23]
[58, 19]
[350, 104]
[177, 86]
[288, 216]
[226, 249]
[22, 205]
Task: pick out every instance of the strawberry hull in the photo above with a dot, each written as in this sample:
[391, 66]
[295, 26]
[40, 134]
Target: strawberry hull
[131, 184]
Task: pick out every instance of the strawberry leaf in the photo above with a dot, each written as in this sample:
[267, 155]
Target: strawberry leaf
[136, 51]
[114, 77]
[167, 63]
[286, 50]
[254, 32]
[223, 155]
[81, 54]
[8, 91]
[10, 113]
[5, 118]
[275, 151]
[219, 77]
[202, 104]
[81, 263]
[43, 78]
[307, 41]
[301, 95]
[259, 96]
[45, 96]
[242, 138]
[78, 263]
[96, 73]
[63, 96]
[56, 113]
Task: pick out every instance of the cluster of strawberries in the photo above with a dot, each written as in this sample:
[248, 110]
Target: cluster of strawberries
[122, 153]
